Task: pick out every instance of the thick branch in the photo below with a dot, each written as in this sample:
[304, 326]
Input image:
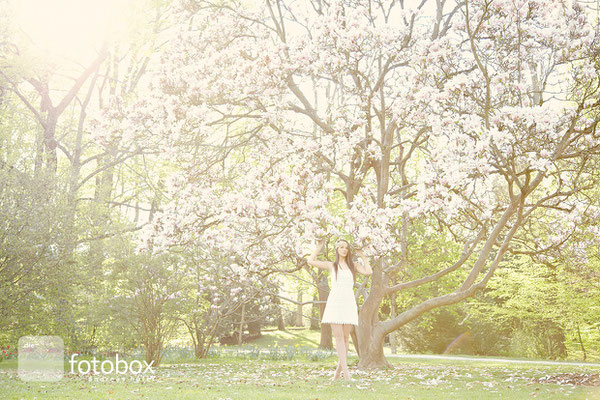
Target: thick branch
[418, 282]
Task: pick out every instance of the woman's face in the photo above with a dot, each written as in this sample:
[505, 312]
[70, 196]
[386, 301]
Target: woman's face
[343, 249]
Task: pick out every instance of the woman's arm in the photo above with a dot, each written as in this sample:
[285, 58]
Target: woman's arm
[365, 267]
[312, 260]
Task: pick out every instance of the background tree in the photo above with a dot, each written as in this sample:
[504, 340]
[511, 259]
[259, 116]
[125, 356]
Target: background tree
[76, 190]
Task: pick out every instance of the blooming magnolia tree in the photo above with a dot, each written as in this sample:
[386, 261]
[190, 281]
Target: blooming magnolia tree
[362, 118]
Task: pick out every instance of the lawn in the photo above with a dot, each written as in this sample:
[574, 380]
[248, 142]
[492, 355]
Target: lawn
[234, 378]
[289, 337]
[288, 365]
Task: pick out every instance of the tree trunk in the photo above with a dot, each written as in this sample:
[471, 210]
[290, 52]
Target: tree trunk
[314, 314]
[393, 339]
[581, 342]
[371, 345]
[241, 330]
[371, 348]
[254, 327]
[299, 321]
[354, 337]
[280, 323]
[198, 344]
[153, 336]
[326, 341]
[50, 140]
[370, 332]
[39, 153]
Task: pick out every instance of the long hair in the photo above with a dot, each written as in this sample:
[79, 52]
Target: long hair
[348, 260]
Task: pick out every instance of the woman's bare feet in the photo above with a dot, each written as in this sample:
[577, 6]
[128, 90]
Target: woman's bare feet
[338, 371]
[347, 374]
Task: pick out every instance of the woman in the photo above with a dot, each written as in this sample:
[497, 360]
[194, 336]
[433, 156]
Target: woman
[341, 310]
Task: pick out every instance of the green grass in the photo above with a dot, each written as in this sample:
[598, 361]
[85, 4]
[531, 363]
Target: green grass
[234, 373]
[306, 338]
[302, 338]
[231, 377]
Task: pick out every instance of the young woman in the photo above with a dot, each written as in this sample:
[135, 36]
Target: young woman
[341, 310]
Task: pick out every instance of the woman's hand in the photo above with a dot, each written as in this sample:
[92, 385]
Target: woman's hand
[312, 260]
[319, 245]
[366, 267]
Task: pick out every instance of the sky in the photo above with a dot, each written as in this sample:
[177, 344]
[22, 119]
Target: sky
[74, 29]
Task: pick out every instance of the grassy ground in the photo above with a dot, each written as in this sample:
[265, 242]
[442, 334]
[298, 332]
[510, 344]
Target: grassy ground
[234, 378]
[229, 376]
[306, 338]
[290, 337]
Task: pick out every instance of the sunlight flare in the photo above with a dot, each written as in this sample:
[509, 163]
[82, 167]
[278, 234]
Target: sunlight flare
[67, 28]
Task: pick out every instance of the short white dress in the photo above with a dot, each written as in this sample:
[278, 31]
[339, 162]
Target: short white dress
[341, 305]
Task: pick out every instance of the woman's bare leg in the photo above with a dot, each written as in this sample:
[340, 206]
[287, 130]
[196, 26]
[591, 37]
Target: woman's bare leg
[338, 370]
[346, 328]
[347, 336]
[340, 346]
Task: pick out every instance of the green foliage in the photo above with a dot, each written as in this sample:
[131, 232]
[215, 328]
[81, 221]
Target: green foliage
[528, 310]
[32, 269]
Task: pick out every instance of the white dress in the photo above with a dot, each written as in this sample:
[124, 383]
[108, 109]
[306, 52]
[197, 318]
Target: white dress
[341, 306]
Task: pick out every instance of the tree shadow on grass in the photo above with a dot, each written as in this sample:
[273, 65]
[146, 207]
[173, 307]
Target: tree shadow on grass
[304, 338]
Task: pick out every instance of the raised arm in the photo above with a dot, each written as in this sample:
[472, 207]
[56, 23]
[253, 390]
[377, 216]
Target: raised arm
[312, 260]
[364, 267]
